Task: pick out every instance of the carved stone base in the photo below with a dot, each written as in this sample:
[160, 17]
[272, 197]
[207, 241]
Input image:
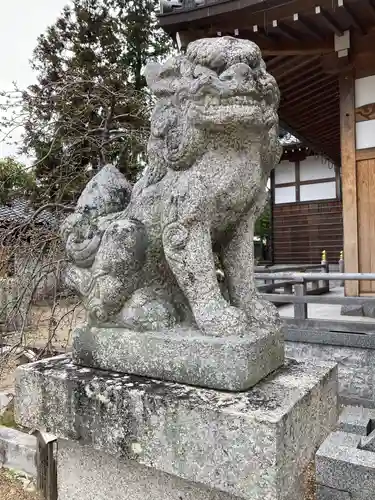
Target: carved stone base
[182, 355]
[145, 439]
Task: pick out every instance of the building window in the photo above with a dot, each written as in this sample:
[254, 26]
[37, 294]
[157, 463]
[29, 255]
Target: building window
[311, 179]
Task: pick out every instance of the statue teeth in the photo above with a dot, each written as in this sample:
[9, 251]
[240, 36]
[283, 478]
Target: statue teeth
[212, 100]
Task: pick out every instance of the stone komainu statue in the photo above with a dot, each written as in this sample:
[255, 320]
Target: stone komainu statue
[143, 257]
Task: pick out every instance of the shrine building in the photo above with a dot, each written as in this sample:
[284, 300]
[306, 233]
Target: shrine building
[322, 54]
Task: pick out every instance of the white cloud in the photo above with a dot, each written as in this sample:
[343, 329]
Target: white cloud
[21, 22]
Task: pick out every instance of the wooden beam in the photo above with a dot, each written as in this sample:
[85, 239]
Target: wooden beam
[326, 137]
[335, 65]
[311, 115]
[308, 90]
[322, 99]
[308, 26]
[309, 75]
[330, 22]
[364, 64]
[297, 66]
[329, 134]
[313, 122]
[371, 5]
[296, 48]
[286, 30]
[349, 179]
[315, 108]
[287, 63]
[274, 62]
[365, 154]
[264, 34]
[361, 44]
[353, 18]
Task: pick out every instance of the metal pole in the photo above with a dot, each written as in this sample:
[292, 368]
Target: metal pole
[318, 276]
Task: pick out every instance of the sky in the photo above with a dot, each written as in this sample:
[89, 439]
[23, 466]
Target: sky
[21, 22]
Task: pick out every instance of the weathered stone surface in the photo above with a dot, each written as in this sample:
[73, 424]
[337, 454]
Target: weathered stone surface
[356, 420]
[369, 309]
[352, 310]
[145, 262]
[182, 355]
[17, 451]
[324, 493]
[368, 442]
[341, 465]
[253, 444]
[105, 477]
[356, 368]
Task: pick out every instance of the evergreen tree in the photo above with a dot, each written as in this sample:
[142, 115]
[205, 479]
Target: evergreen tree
[89, 105]
[15, 181]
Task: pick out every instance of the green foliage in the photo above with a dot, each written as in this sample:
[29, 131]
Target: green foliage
[89, 105]
[7, 418]
[15, 180]
[263, 224]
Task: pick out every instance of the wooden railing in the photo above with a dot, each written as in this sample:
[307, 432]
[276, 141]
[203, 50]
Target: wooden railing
[300, 298]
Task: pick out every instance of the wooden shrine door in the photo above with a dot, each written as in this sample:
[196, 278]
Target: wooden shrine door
[366, 221]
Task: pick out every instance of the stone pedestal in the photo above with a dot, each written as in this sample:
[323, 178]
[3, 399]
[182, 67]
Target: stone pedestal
[128, 437]
[185, 355]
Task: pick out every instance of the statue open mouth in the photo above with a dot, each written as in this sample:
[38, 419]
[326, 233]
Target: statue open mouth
[237, 110]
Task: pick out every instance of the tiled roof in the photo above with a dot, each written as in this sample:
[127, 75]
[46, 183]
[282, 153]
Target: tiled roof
[19, 211]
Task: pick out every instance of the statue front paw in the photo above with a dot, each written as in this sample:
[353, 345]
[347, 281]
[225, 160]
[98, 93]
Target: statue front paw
[263, 313]
[219, 319]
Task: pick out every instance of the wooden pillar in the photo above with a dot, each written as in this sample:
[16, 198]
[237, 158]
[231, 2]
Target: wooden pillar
[357, 114]
[364, 65]
[349, 178]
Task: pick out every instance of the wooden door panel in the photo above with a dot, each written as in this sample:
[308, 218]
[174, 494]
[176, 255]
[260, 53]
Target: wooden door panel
[366, 221]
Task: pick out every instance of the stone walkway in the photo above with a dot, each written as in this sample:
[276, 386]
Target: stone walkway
[325, 311]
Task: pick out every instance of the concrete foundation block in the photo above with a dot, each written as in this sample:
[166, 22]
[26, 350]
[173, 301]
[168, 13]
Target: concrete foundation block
[105, 477]
[356, 365]
[356, 420]
[341, 465]
[352, 310]
[369, 309]
[17, 451]
[252, 445]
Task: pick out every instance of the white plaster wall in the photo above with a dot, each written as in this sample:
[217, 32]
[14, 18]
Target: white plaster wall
[319, 191]
[364, 91]
[285, 194]
[365, 94]
[314, 168]
[365, 134]
[285, 172]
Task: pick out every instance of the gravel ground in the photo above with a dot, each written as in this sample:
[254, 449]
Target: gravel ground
[310, 483]
[12, 488]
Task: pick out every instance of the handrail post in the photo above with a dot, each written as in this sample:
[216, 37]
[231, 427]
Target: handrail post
[325, 269]
[326, 282]
[300, 310]
[342, 267]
